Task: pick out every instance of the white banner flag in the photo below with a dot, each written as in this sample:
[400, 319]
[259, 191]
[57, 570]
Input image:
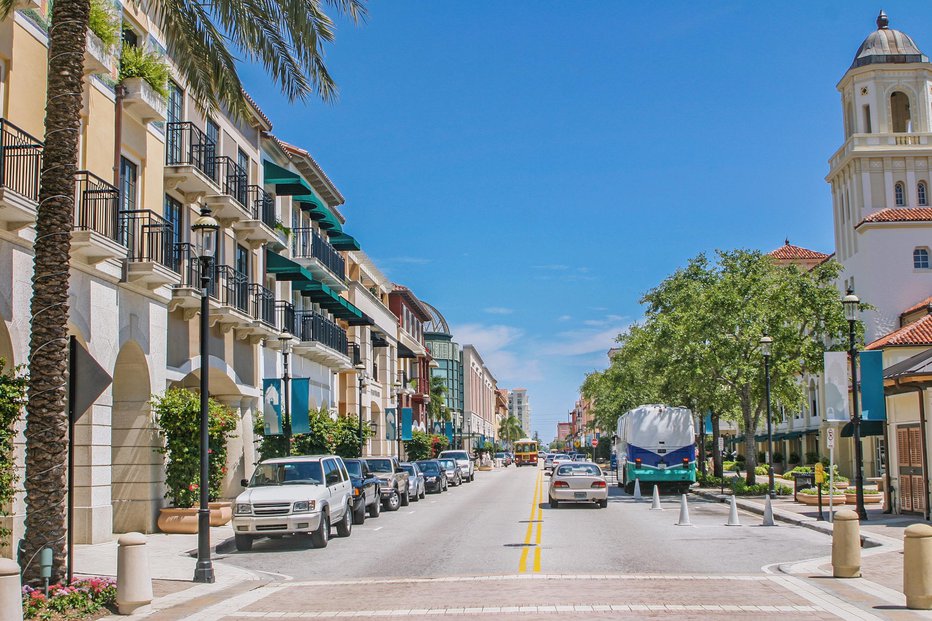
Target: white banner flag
[836, 386]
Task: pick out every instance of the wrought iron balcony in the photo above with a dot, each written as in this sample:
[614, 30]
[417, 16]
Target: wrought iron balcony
[257, 222]
[319, 257]
[96, 208]
[262, 206]
[230, 288]
[285, 317]
[152, 261]
[263, 305]
[321, 339]
[190, 157]
[20, 168]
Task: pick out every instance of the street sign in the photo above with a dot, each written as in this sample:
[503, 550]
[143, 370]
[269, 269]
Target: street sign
[595, 442]
[721, 444]
[830, 437]
[819, 473]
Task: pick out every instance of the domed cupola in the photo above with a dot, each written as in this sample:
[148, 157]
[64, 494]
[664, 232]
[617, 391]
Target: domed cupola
[886, 45]
[437, 326]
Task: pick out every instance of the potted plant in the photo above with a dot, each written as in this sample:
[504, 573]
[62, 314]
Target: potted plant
[138, 65]
[177, 414]
[871, 496]
[810, 496]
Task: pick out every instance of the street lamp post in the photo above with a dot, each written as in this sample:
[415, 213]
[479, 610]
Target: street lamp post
[285, 340]
[765, 344]
[399, 391]
[428, 418]
[205, 229]
[361, 377]
[850, 303]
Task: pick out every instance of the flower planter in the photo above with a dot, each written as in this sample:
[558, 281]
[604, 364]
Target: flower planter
[842, 484]
[142, 102]
[220, 513]
[813, 499]
[869, 499]
[178, 521]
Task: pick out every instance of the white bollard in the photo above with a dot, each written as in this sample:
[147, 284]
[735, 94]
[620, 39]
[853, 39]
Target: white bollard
[684, 512]
[655, 504]
[134, 578]
[637, 490]
[733, 514]
[11, 591]
[768, 513]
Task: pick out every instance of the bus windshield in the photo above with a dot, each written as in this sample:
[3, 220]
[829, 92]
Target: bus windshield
[526, 447]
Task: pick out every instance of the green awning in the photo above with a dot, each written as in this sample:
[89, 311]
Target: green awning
[285, 269]
[339, 306]
[794, 435]
[760, 437]
[344, 242]
[286, 183]
[738, 439]
[868, 428]
[330, 222]
[779, 436]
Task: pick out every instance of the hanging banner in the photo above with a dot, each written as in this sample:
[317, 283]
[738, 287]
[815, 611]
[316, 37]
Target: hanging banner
[300, 390]
[407, 418]
[873, 404]
[390, 424]
[272, 407]
[708, 424]
[836, 386]
[449, 432]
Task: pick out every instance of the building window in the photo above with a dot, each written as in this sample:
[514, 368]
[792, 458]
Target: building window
[899, 108]
[243, 161]
[213, 131]
[923, 193]
[867, 119]
[921, 258]
[899, 194]
[173, 215]
[128, 177]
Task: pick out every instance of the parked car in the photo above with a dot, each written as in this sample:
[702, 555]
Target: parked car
[367, 489]
[557, 460]
[416, 489]
[579, 482]
[548, 461]
[505, 457]
[294, 496]
[435, 475]
[467, 468]
[452, 471]
[394, 481]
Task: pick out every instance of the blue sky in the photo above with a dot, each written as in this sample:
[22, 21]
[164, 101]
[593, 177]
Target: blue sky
[532, 167]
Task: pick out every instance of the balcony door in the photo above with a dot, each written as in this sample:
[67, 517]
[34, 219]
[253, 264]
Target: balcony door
[173, 114]
[241, 279]
[212, 130]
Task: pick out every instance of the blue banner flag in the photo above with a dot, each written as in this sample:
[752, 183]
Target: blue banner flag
[407, 419]
[708, 424]
[873, 404]
[390, 424]
[272, 407]
[449, 432]
[300, 421]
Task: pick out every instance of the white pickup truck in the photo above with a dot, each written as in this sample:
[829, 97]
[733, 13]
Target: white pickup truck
[294, 496]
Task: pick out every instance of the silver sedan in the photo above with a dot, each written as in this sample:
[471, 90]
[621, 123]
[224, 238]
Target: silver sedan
[580, 482]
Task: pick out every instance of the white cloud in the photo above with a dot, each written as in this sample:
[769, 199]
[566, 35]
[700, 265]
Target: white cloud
[498, 310]
[580, 342]
[495, 344]
[564, 317]
[486, 338]
[554, 267]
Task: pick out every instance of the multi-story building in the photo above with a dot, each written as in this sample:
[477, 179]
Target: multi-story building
[519, 406]
[501, 411]
[449, 358]
[148, 167]
[413, 357]
[564, 431]
[479, 388]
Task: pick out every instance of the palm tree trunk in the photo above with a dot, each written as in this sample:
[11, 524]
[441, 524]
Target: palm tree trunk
[47, 419]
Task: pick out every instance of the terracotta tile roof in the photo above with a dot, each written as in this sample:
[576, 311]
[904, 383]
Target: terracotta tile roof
[332, 188]
[789, 252]
[916, 333]
[912, 309]
[256, 108]
[920, 214]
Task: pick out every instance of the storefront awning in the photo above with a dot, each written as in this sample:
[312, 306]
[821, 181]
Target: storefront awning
[779, 437]
[286, 182]
[793, 435]
[285, 269]
[739, 438]
[405, 352]
[868, 428]
[302, 280]
[343, 241]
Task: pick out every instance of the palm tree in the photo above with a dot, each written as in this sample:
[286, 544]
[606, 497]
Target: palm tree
[438, 394]
[509, 429]
[286, 37]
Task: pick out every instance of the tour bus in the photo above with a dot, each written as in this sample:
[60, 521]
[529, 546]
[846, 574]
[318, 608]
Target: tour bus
[526, 452]
[656, 444]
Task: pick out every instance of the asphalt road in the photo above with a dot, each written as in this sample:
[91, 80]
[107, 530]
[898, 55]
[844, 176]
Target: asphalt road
[501, 524]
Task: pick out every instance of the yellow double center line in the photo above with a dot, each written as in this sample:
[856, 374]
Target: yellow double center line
[535, 510]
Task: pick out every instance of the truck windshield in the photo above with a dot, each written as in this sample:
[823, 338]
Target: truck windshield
[296, 473]
[354, 468]
[380, 465]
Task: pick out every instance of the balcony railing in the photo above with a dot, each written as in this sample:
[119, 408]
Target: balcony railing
[187, 145]
[96, 205]
[233, 180]
[230, 288]
[263, 304]
[20, 160]
[352, 352]
[285, 317]
[149, 237]
[262, 205]
[307, 243]
[312, 326]
[185, 262]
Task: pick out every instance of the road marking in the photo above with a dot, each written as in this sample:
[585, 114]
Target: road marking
[535, 508]
[378, 528]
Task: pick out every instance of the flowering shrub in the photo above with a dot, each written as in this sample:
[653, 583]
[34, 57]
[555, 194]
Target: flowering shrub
[12, 400]
[82, 597]
[178, 415]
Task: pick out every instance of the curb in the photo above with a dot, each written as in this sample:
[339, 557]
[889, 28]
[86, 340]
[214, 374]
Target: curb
[867, 540]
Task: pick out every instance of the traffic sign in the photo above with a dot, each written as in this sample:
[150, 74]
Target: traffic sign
[819, 473]
[721, 444]
[595, 442]
[830, 437]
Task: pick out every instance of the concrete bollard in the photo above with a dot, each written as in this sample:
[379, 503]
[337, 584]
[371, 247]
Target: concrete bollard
[134, 578]
[846, 545]
[917, 556]
[11, 591]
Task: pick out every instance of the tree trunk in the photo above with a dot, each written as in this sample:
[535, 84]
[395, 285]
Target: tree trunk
[750, 428]
[716, 454]
[47, 419]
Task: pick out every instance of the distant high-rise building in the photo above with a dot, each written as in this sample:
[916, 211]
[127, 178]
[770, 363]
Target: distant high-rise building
[520, 407]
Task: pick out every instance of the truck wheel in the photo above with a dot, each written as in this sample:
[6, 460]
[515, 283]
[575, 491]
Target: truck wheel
[345, 526]
[375, 508]
[321, 536]
[359, 515]
[416, 496]
[406, 499]
[393, 502]
[243, 542]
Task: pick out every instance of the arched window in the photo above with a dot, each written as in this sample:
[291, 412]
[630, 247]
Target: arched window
[923, 193]
[921, 258]
[899, 193]
[899, 109]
